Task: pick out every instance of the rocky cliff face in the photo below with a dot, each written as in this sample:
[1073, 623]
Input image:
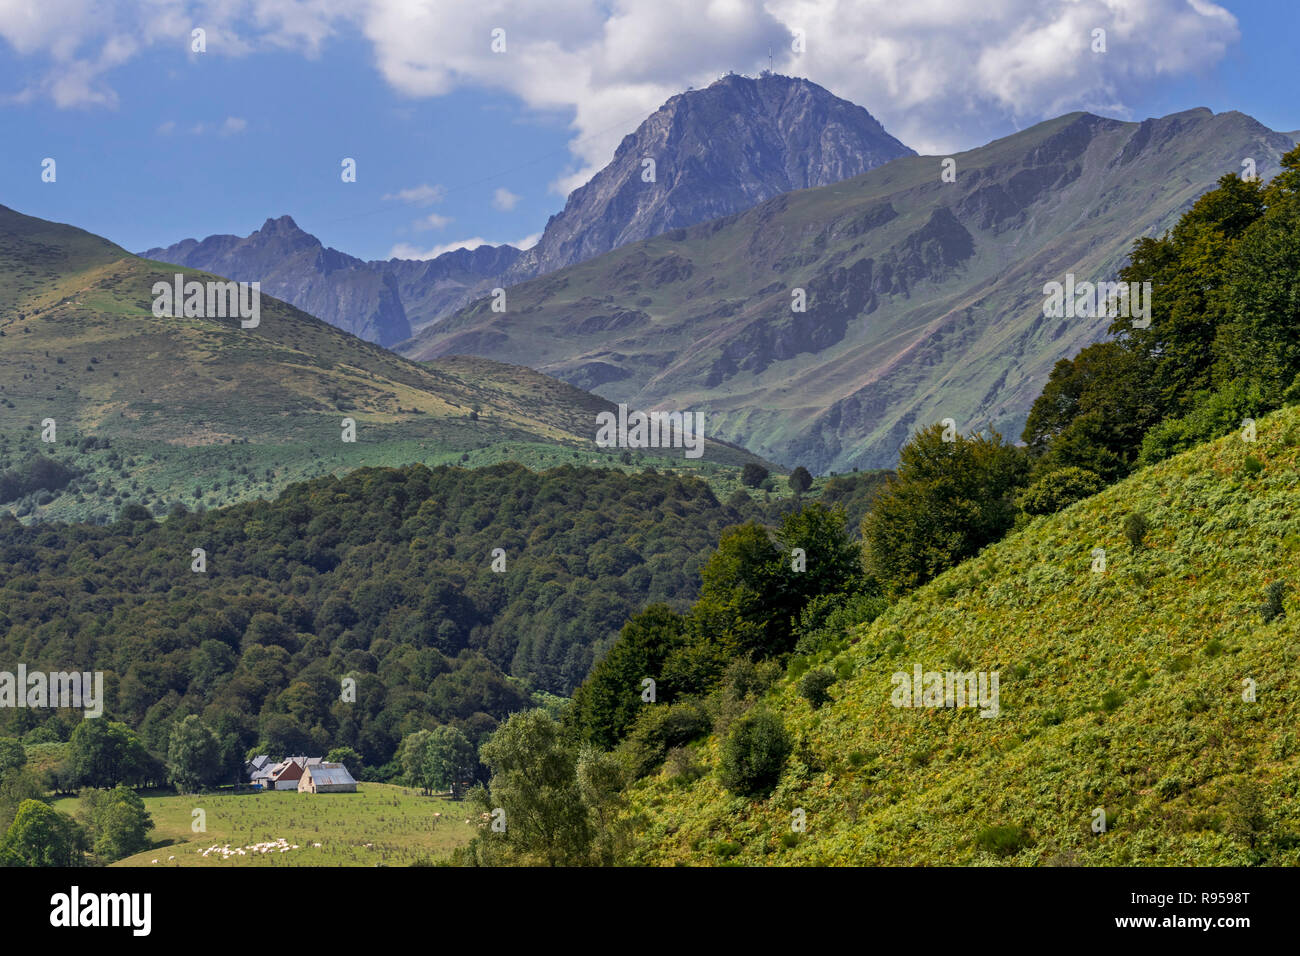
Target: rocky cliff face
[715, 152]
[294, 266]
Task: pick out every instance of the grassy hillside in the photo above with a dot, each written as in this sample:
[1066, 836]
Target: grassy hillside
[1120, 690]
[379, 824]
[240, 413]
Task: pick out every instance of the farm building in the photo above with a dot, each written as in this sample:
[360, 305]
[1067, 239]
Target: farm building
[304, 774]
[286, 774]
[259, 770]
[326, 778]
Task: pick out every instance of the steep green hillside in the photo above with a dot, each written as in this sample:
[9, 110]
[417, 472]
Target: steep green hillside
[924, 297]
[1120, 689]
[79, 343]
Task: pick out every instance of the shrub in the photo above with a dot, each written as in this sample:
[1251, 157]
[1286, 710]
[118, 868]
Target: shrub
[1135, 530]
[1272, 609]
[1003, 841]
[1213, 414]
[660, 728]
[754, 754]
[1248, 819]
[681, 766]
[814, 684]
[1059, 489]
[744, 678]
[753, 474]
[827, 618]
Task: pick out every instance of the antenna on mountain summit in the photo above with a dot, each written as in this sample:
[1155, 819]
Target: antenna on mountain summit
[769, 59]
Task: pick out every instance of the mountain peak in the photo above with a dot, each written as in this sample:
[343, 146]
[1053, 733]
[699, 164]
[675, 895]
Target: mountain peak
[296, 266]
[284, 226]
[709, 153]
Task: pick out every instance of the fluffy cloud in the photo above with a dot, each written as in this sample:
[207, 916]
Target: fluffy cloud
[433, 221]
[404, 250]
[939, 74]
[504, 199]
[422, 195]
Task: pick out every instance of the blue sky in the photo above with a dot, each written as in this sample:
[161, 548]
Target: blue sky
[455, 144]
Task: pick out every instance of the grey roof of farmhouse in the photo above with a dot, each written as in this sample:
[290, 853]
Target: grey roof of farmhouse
[331, 775]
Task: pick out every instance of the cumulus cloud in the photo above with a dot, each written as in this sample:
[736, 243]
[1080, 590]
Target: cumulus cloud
[433, 221]
[504, 199]
[938, 74]
[405, 250]
[422, 195]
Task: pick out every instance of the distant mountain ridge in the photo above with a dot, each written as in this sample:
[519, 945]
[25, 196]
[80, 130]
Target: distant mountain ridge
[432, 288]
[717, 151]
[924, 297]
[294, 266]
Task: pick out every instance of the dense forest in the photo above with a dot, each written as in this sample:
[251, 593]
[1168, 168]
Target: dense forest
[450, 596]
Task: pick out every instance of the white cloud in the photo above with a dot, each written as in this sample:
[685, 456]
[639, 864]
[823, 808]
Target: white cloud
[433, 221]
[424, 195]
[166, 128]
[504, 199]
[939, 75]
[233, 125]
[404, 250]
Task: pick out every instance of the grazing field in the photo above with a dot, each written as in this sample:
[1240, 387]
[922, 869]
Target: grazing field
[380, 824]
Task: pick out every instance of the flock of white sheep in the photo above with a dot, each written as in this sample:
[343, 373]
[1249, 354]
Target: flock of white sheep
[277, 846]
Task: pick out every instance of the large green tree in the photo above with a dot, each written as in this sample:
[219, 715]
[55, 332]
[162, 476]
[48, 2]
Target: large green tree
[534, 791]
[41, 836]
[608, 702]
[119, 822]
[193, 755]
[414, 758]
[1093, 412]
[104, 753]
[450, 760]
[948, 500]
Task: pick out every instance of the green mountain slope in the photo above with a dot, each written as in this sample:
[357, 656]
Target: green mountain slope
[1121, 690]
[79, 344]
[924, 297]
